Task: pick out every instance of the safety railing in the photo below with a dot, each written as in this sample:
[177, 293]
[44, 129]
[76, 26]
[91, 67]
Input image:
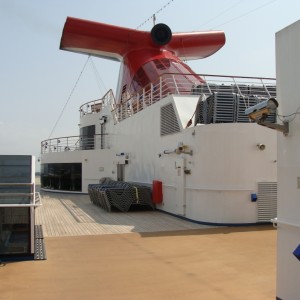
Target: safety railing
[168, 83]
[96, 106]
[71, 143]
[19, 195]
[187, 84]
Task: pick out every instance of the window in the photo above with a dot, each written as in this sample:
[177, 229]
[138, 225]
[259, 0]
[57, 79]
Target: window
[64, 176]
[87, 137]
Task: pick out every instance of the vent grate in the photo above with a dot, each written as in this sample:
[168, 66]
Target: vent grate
[267, 201]
[168, 120]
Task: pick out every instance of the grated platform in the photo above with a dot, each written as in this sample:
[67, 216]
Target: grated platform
[39, 243]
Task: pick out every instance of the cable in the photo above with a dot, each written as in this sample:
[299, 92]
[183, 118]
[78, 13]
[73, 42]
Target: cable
[245, 14]
[153, 15]
[221, 13]
[72, 91]
[236, 18]
[293, 114]
[97, 76]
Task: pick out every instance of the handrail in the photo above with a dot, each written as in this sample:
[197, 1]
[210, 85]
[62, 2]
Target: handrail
[16, 194]
[96, 106]
[228, 76]
[38, 199]
[16, 184]
[71, 143]
[166, 84]
[34, 198]
[189, 84]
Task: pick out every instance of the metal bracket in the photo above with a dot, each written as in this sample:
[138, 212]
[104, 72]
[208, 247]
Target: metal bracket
[284, 128]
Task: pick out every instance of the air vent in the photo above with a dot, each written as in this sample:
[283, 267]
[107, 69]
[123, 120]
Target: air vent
[168, 120]
[267, 201]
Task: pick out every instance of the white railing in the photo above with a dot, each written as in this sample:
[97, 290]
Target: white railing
[22, 199]
[71, 143]
[183, 84]
[168, 83]
[96, 106]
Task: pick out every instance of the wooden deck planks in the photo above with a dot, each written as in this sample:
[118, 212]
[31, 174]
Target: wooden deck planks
[75, 215]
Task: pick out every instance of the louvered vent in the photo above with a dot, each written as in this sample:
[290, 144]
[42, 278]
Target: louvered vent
[168, 120]
[267, 201]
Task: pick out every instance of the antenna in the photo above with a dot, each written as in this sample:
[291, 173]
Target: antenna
[153, 17]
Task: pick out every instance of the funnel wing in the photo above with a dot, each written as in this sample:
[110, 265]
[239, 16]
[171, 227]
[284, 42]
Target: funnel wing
[195, 45]
[99, 39]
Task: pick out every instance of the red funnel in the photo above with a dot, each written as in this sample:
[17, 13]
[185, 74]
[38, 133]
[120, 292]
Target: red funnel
[145, 55]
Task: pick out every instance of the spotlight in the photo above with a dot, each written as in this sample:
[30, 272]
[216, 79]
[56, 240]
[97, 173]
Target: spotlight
[261, 146]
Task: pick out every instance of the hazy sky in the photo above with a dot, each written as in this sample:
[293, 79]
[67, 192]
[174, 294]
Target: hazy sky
[37, 78]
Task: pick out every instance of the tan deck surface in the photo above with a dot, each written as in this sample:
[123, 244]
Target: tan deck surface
[74, 215]
[179, 261]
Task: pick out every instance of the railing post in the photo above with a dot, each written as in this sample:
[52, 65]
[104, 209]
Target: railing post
[144, 95]
[138, 102]
[131, 106]
[160, 87]
[176, 87]
[151, 93]
[269, 95]
[120, 111]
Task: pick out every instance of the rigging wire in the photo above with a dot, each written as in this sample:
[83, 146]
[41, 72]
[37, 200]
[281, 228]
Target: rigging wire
[153, 16]
[98, 78]
[245, 14]
[235, 18]
[221, 13]
[68, 99]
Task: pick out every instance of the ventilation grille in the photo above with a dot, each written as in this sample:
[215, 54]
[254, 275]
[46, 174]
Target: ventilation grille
[168, 120]
[267, 201]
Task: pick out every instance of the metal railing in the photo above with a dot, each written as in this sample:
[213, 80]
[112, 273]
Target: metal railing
[187, 84]
[168, 83]
[96, 106]
[11, 198]
[71, 143]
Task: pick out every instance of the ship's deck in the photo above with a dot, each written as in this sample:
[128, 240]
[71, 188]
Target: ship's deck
[75, 215]
[92, 254]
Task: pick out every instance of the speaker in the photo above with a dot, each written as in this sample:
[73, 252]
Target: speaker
[161, 34]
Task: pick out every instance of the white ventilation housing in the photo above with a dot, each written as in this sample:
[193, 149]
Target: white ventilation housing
[168, 120]
[267, 201]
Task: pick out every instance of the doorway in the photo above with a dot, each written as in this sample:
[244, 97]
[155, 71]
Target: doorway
[120, 172]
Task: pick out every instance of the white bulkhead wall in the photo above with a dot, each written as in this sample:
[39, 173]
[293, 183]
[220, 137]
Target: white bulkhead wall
[288, 78]
[225, 166]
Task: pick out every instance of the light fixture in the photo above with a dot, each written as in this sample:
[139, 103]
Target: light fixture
[261, 146]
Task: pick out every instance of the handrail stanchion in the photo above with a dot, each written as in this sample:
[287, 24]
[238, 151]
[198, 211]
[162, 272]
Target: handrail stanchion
[151, 93]
[160, 87]
[144, 95]
[166, 83]
[266, 89]
[175, 84]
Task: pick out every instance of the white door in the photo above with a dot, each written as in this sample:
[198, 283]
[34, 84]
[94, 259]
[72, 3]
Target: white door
[180, 186]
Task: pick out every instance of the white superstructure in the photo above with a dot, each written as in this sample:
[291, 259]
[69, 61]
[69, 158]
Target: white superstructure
[288, 222]
[215, 166]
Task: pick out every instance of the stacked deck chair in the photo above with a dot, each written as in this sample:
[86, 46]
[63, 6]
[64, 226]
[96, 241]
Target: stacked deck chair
[120, 195]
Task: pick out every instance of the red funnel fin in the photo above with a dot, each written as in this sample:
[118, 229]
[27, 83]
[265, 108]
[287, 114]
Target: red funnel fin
[137, 48]
[110, 41]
